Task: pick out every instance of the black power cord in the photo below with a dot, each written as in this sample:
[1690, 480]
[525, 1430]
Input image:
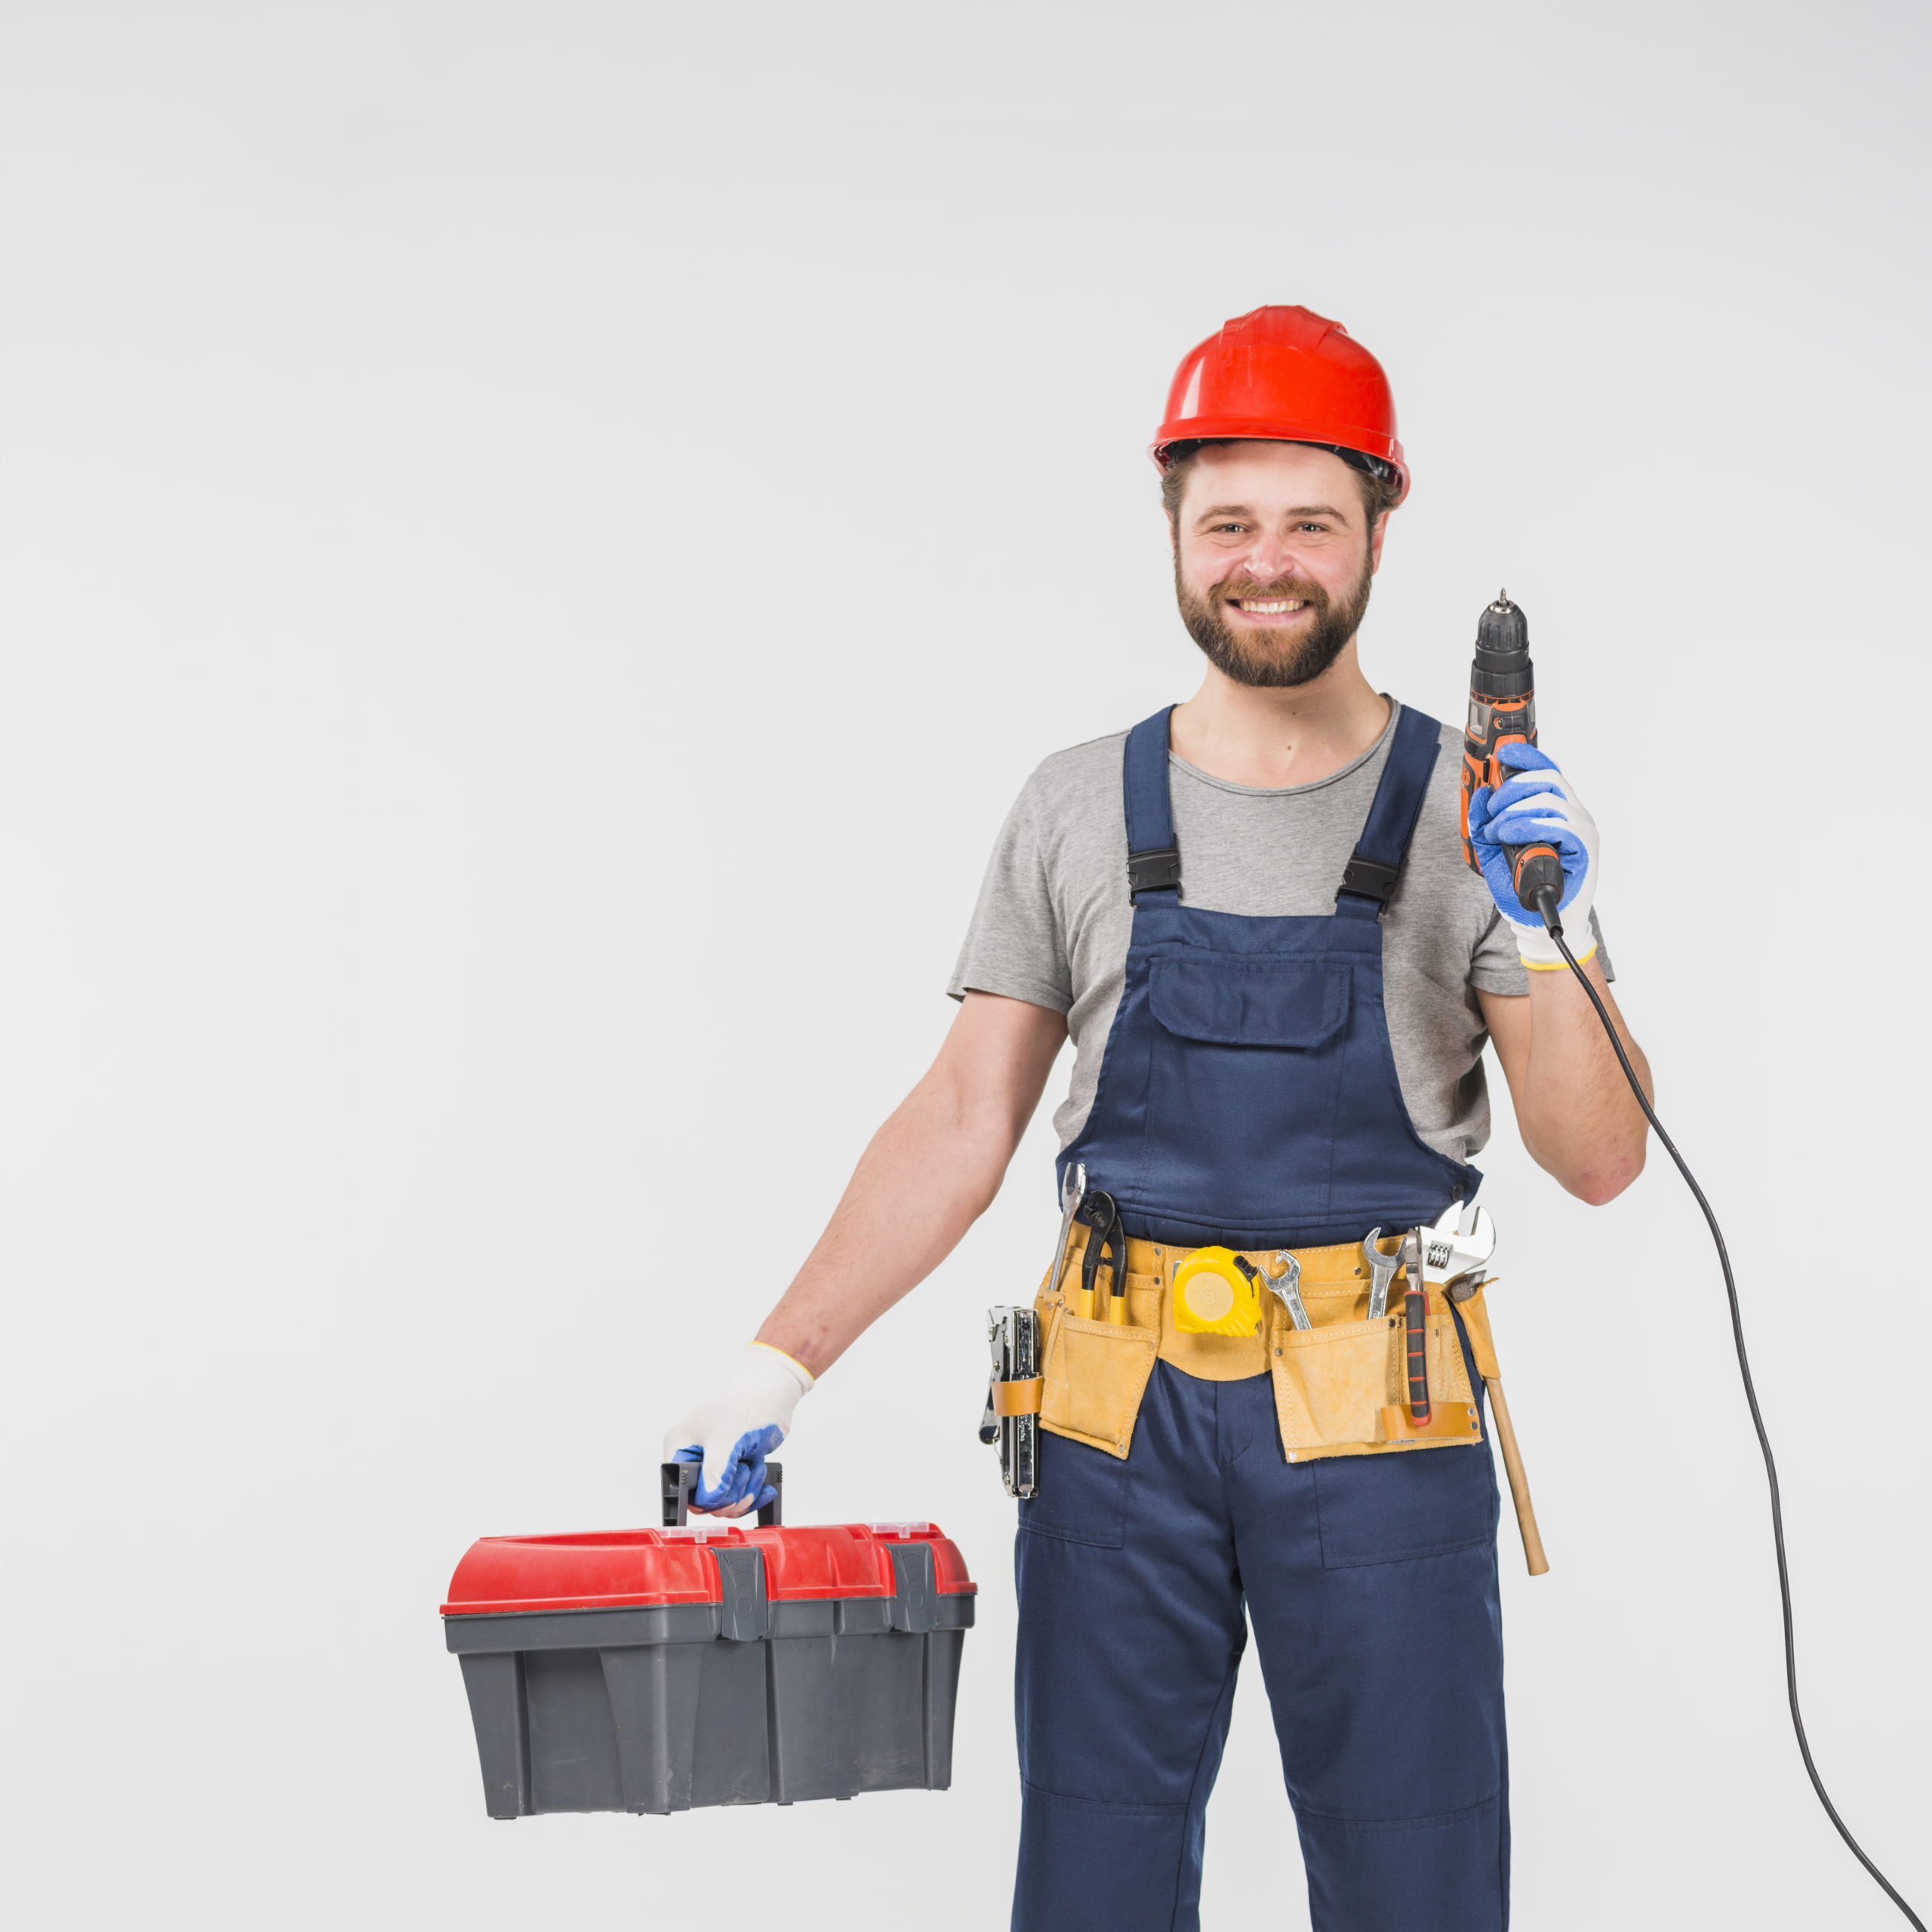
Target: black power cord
[1545, 907]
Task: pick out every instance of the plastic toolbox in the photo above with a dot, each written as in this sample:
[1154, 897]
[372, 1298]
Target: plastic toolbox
[709, 1663]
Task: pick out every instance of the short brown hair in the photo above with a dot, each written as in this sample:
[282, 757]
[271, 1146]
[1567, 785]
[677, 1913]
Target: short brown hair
[1381, 486]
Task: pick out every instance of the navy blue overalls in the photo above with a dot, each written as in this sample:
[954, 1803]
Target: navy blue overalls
[1247, 1096]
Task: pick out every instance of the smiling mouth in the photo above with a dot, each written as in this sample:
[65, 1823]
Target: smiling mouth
[1268, 606]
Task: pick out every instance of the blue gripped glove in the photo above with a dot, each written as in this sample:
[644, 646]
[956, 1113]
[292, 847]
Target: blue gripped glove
[1537, 808]
[731, 1434]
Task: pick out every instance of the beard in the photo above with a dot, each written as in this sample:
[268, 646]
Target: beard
[1259, 657]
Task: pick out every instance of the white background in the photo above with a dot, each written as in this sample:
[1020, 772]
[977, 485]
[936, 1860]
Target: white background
[542, 541]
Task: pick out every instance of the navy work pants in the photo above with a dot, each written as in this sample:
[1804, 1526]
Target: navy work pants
[1370, 1581]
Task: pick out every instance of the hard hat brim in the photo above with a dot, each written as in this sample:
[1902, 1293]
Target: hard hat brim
[1243, 429]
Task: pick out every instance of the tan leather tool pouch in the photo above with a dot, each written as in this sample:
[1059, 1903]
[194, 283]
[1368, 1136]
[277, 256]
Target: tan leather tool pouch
[1095, 1372]
[1334, 1381]
[1341, 1386]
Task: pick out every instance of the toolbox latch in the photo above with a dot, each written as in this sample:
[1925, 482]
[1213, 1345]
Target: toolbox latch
[915, 1600]
[746, 1615]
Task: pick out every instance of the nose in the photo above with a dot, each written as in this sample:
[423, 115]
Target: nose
[1270, 558]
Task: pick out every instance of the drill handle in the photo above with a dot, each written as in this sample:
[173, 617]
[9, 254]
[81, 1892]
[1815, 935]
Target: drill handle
[1535, 870]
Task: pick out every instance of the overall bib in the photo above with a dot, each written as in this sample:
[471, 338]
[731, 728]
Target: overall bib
[1247, 1096]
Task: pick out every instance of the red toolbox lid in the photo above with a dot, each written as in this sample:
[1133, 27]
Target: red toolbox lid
[618, 1569]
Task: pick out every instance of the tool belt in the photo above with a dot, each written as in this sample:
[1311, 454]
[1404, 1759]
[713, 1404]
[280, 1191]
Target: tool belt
[1341, 1385]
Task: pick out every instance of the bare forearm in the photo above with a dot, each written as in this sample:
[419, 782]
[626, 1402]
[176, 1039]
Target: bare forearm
[1578, 1119]
[929, 1173]
[926, 1178]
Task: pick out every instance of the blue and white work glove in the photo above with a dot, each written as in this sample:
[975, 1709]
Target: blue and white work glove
[1537, 808]
[731, 1434]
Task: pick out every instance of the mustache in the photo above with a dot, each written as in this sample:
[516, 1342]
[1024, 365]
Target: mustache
[1246, 589]
[1330, 622]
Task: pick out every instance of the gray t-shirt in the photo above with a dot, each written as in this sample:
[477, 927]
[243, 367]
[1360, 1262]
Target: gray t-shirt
[1053, 918]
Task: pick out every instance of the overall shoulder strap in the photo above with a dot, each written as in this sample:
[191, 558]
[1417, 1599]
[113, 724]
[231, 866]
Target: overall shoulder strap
[1153, 859]
[1369, 881]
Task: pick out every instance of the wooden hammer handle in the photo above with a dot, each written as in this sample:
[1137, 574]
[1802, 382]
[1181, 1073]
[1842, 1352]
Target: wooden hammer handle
[1519, 1484]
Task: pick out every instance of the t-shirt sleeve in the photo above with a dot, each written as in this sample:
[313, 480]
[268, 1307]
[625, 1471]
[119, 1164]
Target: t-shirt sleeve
[1495, 966]
[1015, 945]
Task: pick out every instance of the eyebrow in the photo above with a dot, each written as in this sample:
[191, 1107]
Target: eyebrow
[1242, 509]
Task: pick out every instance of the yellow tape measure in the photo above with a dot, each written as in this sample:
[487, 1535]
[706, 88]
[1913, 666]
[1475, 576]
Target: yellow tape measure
[1212, 1296]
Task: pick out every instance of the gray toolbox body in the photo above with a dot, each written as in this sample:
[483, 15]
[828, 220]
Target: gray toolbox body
[657, 1670]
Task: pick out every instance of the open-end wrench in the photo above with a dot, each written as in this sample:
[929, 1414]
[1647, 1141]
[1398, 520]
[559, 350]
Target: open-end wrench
[1381, 1271]
[1073, 1190]
[1287, 1284]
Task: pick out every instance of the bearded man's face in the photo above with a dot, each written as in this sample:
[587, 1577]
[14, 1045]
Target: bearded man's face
[1273, 560]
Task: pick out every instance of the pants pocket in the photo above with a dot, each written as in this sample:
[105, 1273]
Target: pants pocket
[1082, 1497]
[1096, 1374]
[1391, 1508]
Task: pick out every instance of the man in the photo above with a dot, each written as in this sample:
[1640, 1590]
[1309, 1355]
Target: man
[1253, 916]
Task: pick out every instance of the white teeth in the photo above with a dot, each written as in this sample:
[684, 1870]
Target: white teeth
[1278, 608]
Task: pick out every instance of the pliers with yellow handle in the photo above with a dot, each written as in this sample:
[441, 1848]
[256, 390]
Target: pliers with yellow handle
[1103, 1229]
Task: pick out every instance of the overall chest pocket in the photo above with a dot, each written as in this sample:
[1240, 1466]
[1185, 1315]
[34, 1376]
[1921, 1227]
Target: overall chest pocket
[1245, 1084]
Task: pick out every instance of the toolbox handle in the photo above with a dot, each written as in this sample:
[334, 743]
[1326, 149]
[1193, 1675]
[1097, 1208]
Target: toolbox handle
[677, 1480]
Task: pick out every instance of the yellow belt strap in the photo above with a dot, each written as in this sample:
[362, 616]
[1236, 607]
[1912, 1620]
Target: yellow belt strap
[1018, 1398]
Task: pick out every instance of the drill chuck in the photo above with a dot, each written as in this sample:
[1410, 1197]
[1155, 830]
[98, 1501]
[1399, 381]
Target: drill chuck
[1502, 667]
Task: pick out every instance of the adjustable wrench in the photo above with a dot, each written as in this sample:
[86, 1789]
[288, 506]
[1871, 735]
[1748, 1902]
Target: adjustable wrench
[1381, 1271]
[1449, 1250]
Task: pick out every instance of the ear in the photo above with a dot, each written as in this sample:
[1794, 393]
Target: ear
[1377, 531]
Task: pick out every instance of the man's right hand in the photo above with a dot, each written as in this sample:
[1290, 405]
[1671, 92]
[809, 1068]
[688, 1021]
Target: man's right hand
[731, 1434]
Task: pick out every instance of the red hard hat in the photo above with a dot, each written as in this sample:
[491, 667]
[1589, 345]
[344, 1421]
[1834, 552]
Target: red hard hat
[1284, 375]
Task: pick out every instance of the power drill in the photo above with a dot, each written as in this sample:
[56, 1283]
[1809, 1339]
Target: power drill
[1502, 711]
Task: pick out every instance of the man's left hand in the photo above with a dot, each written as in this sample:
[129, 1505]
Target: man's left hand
[1537, 807]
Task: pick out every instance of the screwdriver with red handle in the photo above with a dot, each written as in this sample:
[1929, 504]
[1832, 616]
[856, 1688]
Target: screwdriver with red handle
[1415, 1322]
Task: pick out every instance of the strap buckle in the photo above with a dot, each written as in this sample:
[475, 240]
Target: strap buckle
[1371, 879]
[1152, 871]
